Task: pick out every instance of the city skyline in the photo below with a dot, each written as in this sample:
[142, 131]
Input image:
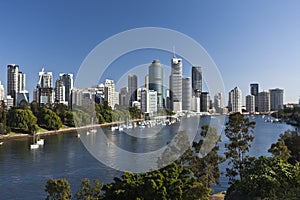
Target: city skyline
[241, 43]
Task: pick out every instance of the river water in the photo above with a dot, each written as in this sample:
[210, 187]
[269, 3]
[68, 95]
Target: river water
[24, 172]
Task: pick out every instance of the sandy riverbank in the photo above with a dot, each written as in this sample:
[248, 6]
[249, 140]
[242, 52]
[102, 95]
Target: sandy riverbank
[52, 132]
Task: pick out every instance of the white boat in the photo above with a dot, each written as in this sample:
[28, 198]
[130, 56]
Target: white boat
[34, 145]
[92, 130]
[40, 142]
[1, 143]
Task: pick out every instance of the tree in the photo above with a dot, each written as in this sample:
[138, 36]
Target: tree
[58, 189]
[290, 139]
[280, 150]
[238, 130]
[89, 192]
[21, 120]
[267, 178]
[171, 182]
[49, 119]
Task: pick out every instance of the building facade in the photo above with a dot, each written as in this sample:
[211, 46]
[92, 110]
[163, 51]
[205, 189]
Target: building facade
[196, 81]
[235, 100]
[176, 84]
[156, 81]
[186, 93]
[276, 99]
[264, 102]
[110, 92]
[254, 90]
[250, 103]
[132, 88]
[12, 81]
[204, 102]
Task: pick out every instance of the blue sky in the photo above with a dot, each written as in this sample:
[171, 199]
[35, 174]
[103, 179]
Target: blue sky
[253, 41]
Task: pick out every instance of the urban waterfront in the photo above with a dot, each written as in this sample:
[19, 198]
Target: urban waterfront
[24, 172]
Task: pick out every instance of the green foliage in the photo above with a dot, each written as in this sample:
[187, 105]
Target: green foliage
[4, 129]
[49, 119]
[171, 182]
[268, 178]
[58, 189]
[65, 114]
[291, 139]
[135, 113]
[280, 150]
[22, 120]
[237, 131]
[81, 118]
[88, 192]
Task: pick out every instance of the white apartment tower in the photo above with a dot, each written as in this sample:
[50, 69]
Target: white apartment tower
[109, 92]
[1, 92]
[235, 100]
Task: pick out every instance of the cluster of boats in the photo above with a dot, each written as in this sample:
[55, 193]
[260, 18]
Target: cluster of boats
[37, 144]
[142, 124]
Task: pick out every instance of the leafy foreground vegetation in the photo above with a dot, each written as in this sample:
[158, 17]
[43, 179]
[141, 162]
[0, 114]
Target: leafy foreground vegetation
[190, 177]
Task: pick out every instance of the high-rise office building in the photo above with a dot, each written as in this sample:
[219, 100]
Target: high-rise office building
[254, 90]
[276, 99]
[148, 101]
[147, 82]
[21, 81]
[263, 102]
[156, 81]
[60, 91]
[218, 103]
[67, 80]
[44, 93]
[132, 88]
[235, 100]
[1, 92]
[109, 92]
[250, 103]
[176, 84]
[12, 81]
[186, 93]
[196, 81]
[123, 97]
[204, 102]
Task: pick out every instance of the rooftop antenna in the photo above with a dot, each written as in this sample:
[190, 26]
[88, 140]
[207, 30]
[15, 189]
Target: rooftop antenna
[174, 55]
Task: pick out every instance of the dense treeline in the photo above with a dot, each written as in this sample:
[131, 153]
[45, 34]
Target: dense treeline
[291, 115]
[29, 118]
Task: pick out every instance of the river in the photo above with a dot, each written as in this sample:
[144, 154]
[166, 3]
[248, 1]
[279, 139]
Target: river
[24, 172]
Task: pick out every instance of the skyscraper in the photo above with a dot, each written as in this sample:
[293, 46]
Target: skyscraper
[276, 99]
[176, 84]
[254, 90]
[235, 100]
[12, 81]
[132, 88]
[109, 92]
[186, 93]
[21, 81]
[156, 81]
[60, 91]
[218, 102]
[196, 81]
[44, 92]
[250, 103]
[263, 100]
[1, 92]
[67, 80]
[204, 102]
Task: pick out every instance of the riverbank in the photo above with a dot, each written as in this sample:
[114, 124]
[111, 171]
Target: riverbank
[13, 136]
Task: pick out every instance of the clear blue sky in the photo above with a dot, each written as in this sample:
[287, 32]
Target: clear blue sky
[250, 41]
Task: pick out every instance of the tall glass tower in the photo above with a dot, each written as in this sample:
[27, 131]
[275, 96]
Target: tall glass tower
[132, 88]
[156, 81]
[176, 84]
[196, 81]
